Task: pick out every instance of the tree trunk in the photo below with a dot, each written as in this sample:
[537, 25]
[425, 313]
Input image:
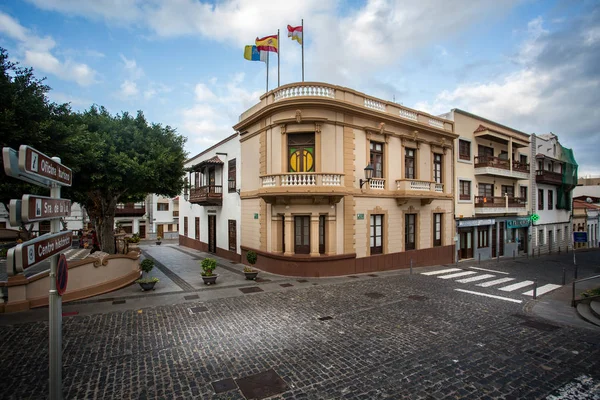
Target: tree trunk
[102, 211]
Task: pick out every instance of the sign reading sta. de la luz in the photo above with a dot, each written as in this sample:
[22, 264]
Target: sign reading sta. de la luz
[36, 208]
[33, 162]
[28, 254]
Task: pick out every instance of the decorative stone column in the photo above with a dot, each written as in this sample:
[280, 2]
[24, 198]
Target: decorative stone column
[330, 236]
[289, 235]
[314, 235]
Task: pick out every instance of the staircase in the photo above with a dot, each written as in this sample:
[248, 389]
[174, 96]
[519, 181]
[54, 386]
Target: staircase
[589, 310]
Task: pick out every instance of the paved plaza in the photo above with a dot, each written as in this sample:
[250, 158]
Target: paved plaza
[373, 336]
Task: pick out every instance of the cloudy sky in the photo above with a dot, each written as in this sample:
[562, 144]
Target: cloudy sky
[533, 65]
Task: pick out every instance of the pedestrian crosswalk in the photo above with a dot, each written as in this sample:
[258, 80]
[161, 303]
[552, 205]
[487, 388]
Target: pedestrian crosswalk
[76, 254]
[490, 279]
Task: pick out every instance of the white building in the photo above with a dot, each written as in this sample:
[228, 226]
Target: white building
[164, 214]
[551, 194]
[210, 209]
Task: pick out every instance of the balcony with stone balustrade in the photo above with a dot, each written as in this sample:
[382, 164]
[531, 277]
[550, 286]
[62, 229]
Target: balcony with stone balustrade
[321, 186]
[426, 191]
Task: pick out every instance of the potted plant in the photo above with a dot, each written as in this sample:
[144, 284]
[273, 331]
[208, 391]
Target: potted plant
[147, 283]
[158, 239]
[250, 272]
[208, 266]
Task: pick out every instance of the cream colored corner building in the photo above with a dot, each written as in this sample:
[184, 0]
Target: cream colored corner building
[304, 149]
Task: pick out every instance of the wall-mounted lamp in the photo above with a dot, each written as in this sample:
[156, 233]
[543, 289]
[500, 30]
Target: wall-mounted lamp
[368, 175]
[186, 189]
[232, 185]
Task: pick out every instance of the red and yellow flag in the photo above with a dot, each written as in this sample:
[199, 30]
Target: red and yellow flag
[268, 43]
[295, 32]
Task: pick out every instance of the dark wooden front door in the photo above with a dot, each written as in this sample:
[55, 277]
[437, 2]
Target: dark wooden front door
[142, 231]
[495, 233]
[302, 235]
[232, 235]
[466, 242]
[212, 233]
[160, 230]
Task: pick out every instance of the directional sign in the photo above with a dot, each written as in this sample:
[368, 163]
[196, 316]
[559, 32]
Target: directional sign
[34, 251]
[14, 212]
[10, 159]
[37, 208]
[580, 237]
[36, 163]
[62, 275]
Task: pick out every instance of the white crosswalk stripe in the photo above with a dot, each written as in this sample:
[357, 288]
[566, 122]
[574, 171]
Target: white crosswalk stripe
[516, 286]
[476, 278]
[442, 271]
[496, 282]
[542, 289]
[457, 275]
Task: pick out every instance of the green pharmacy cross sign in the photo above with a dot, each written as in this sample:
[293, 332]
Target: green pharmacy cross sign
[534, 217]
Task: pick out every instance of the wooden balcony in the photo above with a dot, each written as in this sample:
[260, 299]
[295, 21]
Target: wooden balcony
[210, 195]
[548, 177]
[130, 210]
[499, 205]
[496, 166]
[321, 187]
[427, 191]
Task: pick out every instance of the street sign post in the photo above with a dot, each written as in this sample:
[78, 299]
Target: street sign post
[34, 167]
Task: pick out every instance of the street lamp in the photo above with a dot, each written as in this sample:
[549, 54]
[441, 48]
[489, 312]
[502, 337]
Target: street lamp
[368, 175]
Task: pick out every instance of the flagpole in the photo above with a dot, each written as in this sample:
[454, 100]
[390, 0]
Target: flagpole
[278, 56]
[302, 49]
[268, 71]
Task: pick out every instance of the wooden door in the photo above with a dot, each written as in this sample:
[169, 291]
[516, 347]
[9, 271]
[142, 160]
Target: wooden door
[197, 228]
[232, 235]
[160, 230]
[212, 233]
[466, 243]
[142, 231]
[494, 245]
[211, 177]
[302, 235]
[501, 239]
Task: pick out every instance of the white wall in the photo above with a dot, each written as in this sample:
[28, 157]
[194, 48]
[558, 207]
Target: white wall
[231, 206]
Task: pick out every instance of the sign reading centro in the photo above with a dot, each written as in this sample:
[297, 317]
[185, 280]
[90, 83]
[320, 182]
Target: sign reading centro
[30, 253]
[36, 163]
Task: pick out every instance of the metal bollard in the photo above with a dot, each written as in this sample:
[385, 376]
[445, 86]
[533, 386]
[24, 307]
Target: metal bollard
[575, 273]
[479, 258]
[539, 252]
[535, 289]
[514, 255]
[411, 266]
[564, 280]
[567, 249]
[558, 250]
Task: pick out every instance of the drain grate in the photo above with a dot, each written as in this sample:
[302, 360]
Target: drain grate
[198, 310]
[327, 318]
[375, 295]
[301, 281]
[224, 385]
[251, 290]
[286, 285]
[191, 297]
[542, 326]
[417, 297]
[119, 302]
[373, 275]
[262, 385]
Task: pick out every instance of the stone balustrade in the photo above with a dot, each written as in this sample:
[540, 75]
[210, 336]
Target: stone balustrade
[302, 179]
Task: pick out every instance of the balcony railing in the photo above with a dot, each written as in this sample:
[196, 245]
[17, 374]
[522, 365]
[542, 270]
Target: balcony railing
[411, 185]
[520, 166]
[551, 177]
[130, 209]
[489, 161]
[207, 195]
[377, 183]
[302, 179]
[496, 202]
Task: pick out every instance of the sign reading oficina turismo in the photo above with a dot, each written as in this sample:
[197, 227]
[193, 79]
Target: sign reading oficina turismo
[34, 167]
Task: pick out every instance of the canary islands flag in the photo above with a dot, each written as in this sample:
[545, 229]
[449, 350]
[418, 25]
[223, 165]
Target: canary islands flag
[268, 43]
[251, 53]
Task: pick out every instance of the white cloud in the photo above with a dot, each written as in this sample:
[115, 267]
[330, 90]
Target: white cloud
[128, 89]
[77, 102]
[134, 71]
[37, 54]
[156, 89]
[203, 93]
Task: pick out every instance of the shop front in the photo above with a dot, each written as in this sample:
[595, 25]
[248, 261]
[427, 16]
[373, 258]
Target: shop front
[517, 235]
[474, 238]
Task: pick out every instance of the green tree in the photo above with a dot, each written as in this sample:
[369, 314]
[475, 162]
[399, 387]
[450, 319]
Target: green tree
[28, 117]
[125, 159]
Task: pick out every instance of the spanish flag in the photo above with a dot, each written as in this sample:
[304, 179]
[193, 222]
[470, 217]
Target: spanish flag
[295, 32]
[268, 43]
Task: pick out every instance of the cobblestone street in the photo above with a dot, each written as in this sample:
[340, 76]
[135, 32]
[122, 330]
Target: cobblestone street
[388, 336]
